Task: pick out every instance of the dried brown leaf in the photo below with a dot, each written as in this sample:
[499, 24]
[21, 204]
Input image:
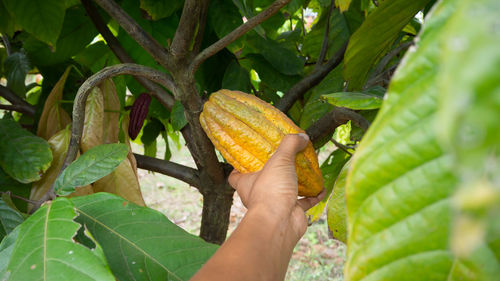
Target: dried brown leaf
[111, 111]
[94, 120]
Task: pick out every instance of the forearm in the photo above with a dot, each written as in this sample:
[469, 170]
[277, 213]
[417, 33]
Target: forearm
[259, 249]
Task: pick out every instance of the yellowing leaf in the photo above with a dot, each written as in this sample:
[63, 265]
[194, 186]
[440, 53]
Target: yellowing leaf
[123, 182]
[111, 111]
[343, 4]
[81, 191]
[94, 120]
[59, 146]
[54, 118]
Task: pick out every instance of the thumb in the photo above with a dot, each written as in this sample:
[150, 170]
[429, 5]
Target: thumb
[289, 147]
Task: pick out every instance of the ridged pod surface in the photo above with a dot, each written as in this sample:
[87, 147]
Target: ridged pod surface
[247, 131]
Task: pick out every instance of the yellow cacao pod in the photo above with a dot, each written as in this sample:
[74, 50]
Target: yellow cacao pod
[247, 131]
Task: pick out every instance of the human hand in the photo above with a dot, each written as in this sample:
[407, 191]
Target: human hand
[274, 188]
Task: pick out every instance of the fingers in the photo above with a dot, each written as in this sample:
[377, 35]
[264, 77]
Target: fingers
[289, 147]
[234, 178]
[309, 202]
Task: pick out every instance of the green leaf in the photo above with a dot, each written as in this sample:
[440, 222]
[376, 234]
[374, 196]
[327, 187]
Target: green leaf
[177, 117]
[224, 17]
[336, 207]
[6, 248]
[159, 9]
[283, 59]
[17, 66]
[7, 183]
[343, 4]
[23, 156]
[270, 75]
[159, 251]
[45, 250]
[399, 185]
[9, 219]
[94, 164]
[151, 131]
[236, 78]
[330, 169]
[168, 152]
[375, 36]
[7, 24]
[77, 32]
[42, 18]
[354, 100]
[469, 114]
[337, 36]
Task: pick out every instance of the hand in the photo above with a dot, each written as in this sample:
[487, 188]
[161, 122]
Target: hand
[274, 188]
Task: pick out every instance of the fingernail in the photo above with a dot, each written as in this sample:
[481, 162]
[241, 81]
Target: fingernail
[304, 136]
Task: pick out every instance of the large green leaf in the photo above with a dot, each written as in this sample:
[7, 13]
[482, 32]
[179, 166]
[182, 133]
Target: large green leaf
[77, 32]
[236, 78]
[177, 117]
[17, 66]
[283, 59]
[330, 169]
[23, 156]
[141, 243]
[375, 36]
[469, 81]
[399, 186]
[270, 75]
[224, 17]
[336, 207]
[42, 18]
[9, 219]
[8, 184]
[159, 9]
[94, 164]
[6, 248]
[45, 250]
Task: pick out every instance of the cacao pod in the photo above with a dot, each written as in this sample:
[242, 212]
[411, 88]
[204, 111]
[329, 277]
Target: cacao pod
[138, 114]
[247, 131]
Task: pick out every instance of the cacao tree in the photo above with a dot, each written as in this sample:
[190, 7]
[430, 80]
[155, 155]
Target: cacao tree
[80, 79]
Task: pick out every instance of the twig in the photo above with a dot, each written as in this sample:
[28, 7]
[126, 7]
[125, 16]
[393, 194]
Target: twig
[341, 146]
[189, 24]
[299, 89]
[81, 98]
[155, 49]
[330, 121]
[9, 193]
[14, 107]
[237, 33]
[324, 47]
[6, 44]
[385, 60]
[163, 97]
[17, 101]
[180, 172]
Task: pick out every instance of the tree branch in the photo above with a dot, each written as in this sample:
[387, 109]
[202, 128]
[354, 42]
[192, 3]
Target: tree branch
[384, 61]
[81, 98]
[313, 79]
[155, 49]
[324, 47]
[237, 33]
[164, 97]
[189, 25]
[180, 172]
[198, 40]
[330, 121]
[6, 44]
[18, 104]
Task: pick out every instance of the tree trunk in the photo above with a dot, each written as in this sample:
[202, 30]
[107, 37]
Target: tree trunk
[215, 215]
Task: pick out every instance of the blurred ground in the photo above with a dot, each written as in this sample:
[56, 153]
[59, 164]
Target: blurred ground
[316, 256]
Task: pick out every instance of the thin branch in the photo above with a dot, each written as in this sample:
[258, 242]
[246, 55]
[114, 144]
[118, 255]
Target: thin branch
[324, 47]
[18, 102]
[198, 40]
[164, 97]
[188, 27]
[341, 146]
[180, 172]
[155, 49]
[237, 33]
[81, 98]
[313, 79]
[330, 121]
[386, 59]
[10, 194]
[14, 107]
[6, 44]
